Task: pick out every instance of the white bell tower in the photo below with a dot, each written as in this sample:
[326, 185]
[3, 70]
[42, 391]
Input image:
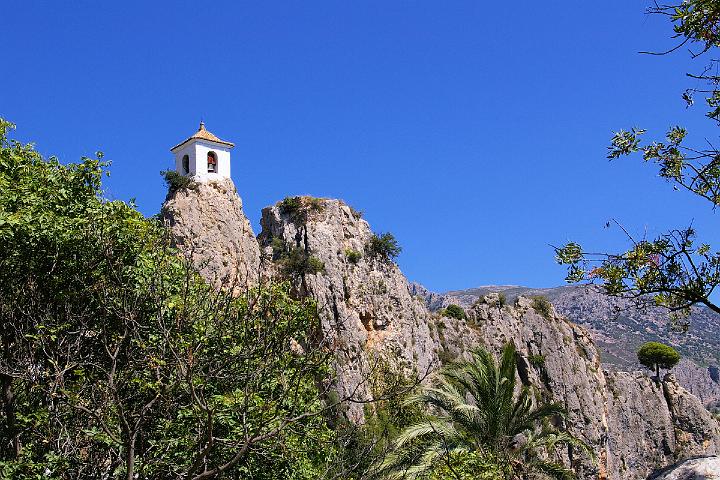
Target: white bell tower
[203, 156]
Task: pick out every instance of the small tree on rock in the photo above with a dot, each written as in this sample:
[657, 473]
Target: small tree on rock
[655, 355]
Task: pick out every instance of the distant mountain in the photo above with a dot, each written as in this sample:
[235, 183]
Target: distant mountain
[618, 328]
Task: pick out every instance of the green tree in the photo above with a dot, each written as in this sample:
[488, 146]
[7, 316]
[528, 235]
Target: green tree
[383, 246]
[478, 420]
[455, 311]
[655, 355]
[117, 360]
[673, 270]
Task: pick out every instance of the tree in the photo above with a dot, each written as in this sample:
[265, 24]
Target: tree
[118, 360]
[655, 355]
[383, 246]
[455, 311]
[674, 270]
[478, 421]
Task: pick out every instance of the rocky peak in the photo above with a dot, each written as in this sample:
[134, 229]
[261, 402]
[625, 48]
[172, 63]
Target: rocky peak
[372, 315]
[209, 226]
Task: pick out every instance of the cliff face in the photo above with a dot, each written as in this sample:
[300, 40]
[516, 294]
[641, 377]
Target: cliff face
[363, 299]
[209, 226]
[372, 316]
[618, 328]
[634, 424]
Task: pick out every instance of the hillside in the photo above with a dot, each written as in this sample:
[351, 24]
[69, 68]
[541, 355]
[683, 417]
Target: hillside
[618, 328]
[372, 316]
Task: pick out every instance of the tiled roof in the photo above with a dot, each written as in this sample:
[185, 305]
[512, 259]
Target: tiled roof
[203, 134]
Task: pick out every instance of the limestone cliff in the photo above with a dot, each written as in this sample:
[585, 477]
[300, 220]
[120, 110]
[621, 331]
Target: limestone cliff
[363, 299]
[209, 226]
[634, 424]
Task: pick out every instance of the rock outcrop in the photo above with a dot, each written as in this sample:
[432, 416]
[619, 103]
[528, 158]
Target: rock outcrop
[209, 226]
[363, 299]
[372, 316]
[701, 468]
[618, 328]
[634, 424]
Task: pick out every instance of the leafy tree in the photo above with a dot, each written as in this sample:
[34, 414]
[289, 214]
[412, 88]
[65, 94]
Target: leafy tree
[673, 270]
[478, 420]
[655, 355]
[384, 246]
[176, 181]
[117, 360]
[455, 311]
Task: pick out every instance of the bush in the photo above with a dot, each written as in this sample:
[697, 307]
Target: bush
[384, 246]
[298, 262]
[353, 256]
[290, 205]
[543, 306]
[455, 311]
[502, 299]
[537, 360]
[175, 181]
[357, 214]
[656, 355]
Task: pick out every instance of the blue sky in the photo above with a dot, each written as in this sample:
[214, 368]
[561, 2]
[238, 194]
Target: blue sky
[474, 131]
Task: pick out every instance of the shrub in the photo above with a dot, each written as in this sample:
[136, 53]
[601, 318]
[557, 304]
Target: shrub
[298, 262]
[543, 306]
[502, 299]
[290, 205]
[455, 311]
[384, 246]
[353, 256]
[279, 248]
[175, 181]
[656, 355]
[298, 208]
[537, 360]
[357, 214]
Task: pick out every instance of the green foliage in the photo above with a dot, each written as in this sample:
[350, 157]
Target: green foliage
[474, 409]
[384, 418]
[655, 355]
[176, 181]
[125, 363]
[357, 214]
[353, 256]
[454, 311]
[673, 270]
[543, 306]
[299, 209]
[383, 246]
[502, 299]
[537, 361]
[470, 465]
[295, 261]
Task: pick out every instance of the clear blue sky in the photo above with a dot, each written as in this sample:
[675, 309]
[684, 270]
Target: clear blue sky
[474, 131]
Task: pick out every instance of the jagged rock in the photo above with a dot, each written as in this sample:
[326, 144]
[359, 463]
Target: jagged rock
[209, 226]
[365, 305]
[703, 468]
[370, 313]
[618, 328]
[632, 423]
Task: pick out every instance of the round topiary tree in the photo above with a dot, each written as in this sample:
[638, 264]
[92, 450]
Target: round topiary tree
[655, 355]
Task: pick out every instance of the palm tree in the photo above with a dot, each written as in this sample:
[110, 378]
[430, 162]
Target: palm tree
[477, 414]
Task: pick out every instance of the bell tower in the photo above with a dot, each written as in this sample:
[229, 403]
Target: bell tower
[203, 156]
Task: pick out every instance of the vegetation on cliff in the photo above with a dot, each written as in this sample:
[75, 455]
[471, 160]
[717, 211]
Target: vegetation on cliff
[480, 423]
[655, 355]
